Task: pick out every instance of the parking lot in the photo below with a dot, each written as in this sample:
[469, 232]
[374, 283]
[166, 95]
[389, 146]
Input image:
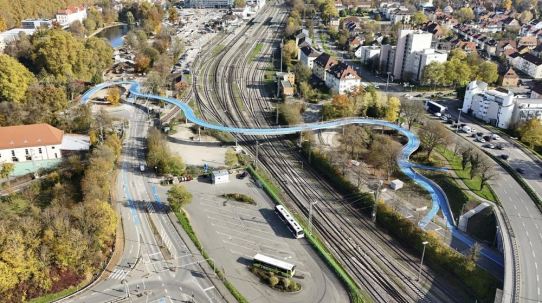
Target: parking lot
[233, 232]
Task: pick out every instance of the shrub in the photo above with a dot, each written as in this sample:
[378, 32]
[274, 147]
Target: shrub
[285, 282]
[240, 198]
[273, 281]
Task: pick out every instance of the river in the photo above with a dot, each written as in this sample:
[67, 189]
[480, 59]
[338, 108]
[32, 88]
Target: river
[114, 34]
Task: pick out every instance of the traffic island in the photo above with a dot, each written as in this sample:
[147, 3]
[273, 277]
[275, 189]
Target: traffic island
[239, 198]
[283, 284]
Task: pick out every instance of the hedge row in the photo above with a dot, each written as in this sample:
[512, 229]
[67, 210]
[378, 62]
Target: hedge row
[520, 180]
[477, 279]
[183, 219]
[354, 290]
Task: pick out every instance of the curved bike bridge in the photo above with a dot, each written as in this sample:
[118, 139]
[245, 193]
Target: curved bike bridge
[439, 199]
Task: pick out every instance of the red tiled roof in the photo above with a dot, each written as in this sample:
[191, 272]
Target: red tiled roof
[29, 135]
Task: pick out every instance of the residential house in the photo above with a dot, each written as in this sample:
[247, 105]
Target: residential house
[181, 82]
[354, 42]
[523, 49]
[491, 47]
[537, 50]
[286, 88]
[400, 16]
[510, 22]
[536, 92]
[322, 64]
[71, 14]
[529, 64]
[367, 53]
[467, 46]
[30, 143]
[433, 28]
[342, 78]
[308, 55]
[507, 76]
[530, 42]
[303, 42]
[301, 34]
[335, 21]
[349, 20]
[504, 45]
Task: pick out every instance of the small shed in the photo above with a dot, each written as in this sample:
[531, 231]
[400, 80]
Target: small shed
[220, 176]
[396, 184]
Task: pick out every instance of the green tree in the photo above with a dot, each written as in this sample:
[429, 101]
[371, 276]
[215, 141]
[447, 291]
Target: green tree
[465, 14]
[231, 158]
[3, 25]
[51, 97]
[507, 4]
[89, 24]
[113, 95]
[302, 72]
[240, 3]
[14, 79]
[328, 10]
[7, 169]
[531, 133]
[142, 63]
[418, 18]
[487, 72]
[173, 16]
[178, 197]
[433, 73]
[392, 109]
[457, 53]
[130, 18]
[178, 47]
[526, 16]
[273, 281]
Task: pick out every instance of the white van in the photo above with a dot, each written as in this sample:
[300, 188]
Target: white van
[466, 129]
[142, 168]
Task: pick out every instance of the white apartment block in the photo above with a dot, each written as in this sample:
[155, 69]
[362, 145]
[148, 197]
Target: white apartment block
[342, 78]
[398, 59]
[422, 58]
[71, 14]
[30, 143]
[209, 3]
[499, 107]
[529, 64]
[308, 55]
[365, 53]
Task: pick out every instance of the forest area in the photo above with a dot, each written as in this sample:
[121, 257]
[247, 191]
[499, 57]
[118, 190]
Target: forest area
[13, 11]
[59, 231]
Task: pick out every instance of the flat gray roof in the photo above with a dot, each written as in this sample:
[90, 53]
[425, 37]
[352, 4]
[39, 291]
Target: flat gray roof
[222, 172]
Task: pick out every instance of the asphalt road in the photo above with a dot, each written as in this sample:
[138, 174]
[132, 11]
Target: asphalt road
[523, 214]
[147, 273]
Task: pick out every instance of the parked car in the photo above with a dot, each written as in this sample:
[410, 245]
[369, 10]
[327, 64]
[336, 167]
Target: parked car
[521, 170]
[505, 157]
[473, 129]
[489, 145]
[481, 140]
[487, 138]
[437, 114]
[480, 134]
[419, 95]
[242, 175]
[500, 146]
[495, 136]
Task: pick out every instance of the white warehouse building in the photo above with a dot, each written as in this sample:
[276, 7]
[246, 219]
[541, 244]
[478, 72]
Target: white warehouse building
[30, 143]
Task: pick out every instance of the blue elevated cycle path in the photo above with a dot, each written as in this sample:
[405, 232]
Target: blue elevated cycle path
[437, 194]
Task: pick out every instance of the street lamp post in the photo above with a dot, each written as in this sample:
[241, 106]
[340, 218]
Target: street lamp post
[310, 151]
[458, 120]
[388, 80]
[421, 263]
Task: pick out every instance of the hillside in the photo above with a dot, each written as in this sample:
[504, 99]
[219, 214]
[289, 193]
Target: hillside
[13, 11]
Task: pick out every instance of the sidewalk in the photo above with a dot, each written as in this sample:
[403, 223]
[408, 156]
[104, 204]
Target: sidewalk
[219, 285]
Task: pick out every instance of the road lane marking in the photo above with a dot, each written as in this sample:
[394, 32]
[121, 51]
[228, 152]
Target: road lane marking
[209, 288]
[165, 290]
[530, 243]
[511, 200]
[514, 206]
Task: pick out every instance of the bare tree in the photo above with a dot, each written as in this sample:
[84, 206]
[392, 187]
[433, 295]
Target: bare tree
[475, 164]
[355, 139]
[486, 171]
[433, 134]
[383, 153]
[466, 152]
[413, 110]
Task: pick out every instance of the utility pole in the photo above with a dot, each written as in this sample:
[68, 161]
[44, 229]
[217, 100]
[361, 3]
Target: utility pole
[458, 121]
[388, 81]
[277, 122]
[199, 133]
[310, 216]
[421, 264]
[377, 193]
[281, 45]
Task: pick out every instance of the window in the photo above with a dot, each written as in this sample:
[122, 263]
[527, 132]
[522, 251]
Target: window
[39, 150]
[26, 151]
[13, 153]
[52, 147]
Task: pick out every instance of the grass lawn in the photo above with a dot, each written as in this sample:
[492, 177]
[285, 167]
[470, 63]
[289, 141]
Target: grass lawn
[217, 49]
[255, 52]
[58, 295]
[456, 196]
[473, 184]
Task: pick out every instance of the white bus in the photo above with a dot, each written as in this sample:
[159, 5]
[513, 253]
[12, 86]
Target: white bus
[294, 227]
[273, 265]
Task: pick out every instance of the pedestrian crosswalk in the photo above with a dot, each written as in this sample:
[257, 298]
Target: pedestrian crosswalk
[118, 274]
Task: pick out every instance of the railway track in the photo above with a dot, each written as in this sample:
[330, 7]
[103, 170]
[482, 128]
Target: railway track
[373, 267]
